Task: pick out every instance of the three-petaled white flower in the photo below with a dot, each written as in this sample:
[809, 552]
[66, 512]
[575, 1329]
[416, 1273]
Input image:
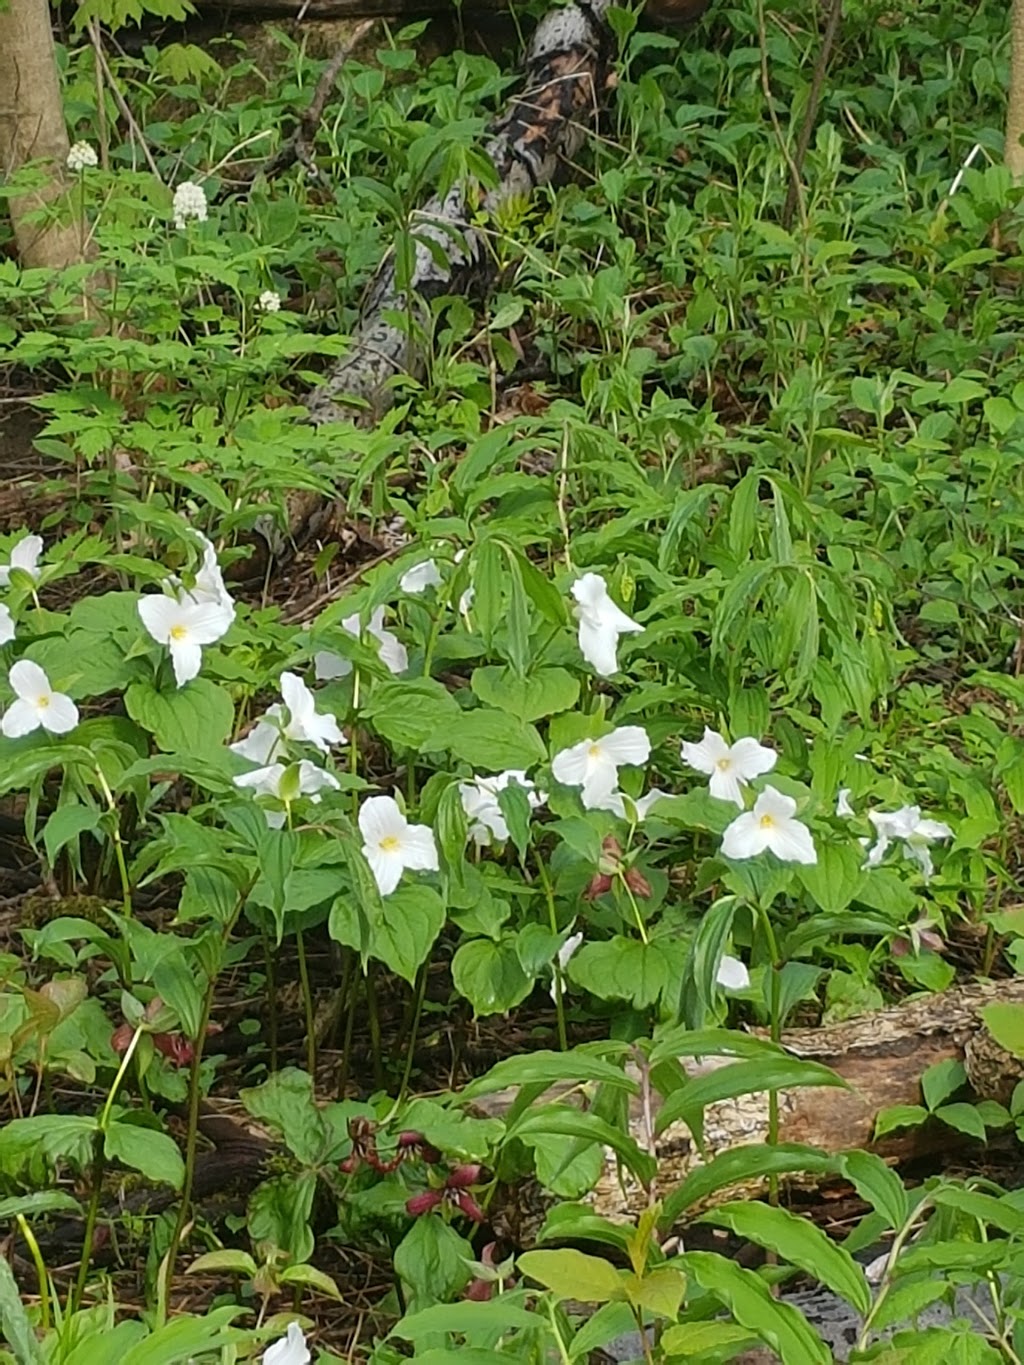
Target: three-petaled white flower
[305, 723]
[594, 764]
[915, 833]
[209, 581]
[269, 301]
[6, 624]
[189, 202]
[393, 653]
[480, 802]
[185, 626]
[770, 825]
[81, 157]
[421, 577]
[265, 740]
[277, 781]
[564, 954]
[601, 623]
[732, 974]
[391, 844]
[290, 1350]
[24, 556]
[730, 766]
[37, 704]
[635, 809]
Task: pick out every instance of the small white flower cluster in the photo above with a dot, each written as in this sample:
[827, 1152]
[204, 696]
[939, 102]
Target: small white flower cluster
[269, 301]
[81, 157]
[189, 203]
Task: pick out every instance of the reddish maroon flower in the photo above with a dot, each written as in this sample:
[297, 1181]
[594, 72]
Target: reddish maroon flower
[363, 1134]
[489, 1275]
[454, 1192]
[610, 865]
[174, 1046]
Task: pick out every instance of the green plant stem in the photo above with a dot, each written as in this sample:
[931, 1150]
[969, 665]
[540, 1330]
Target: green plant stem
[350, 1021]
[91, 1214]
[122, 865]
[898, 1243]
[373, 1015]
[41, 1275]
[641, 927]
[775, 1025]
[307, 1002]
[271, 966]
[549, 895]
[414, 1028]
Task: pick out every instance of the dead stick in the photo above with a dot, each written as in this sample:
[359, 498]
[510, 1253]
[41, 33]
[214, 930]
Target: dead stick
[811, 113]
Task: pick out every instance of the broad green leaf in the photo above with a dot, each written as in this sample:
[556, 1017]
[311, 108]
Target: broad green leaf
[741, 1164]
[749, 1300]
[898, 1116]
[544, 692]
[622, 968]
[229, 1261]
[285, 1101]
[489, 741]
[40, 1202]
[467, 1318]
[740, 1078]
[490, 975]
[1005, 1022]
[565, 1121]
[17, 1328]
[155, 1154]
[193, 719]
[65, 824]
[185, 1337]
[877, 1185]
[659, 1291]
[411, 919]
[571, 1274]
[406, 713]
[942, 1080]
[798, 1241]
[965, 1118]
[701, 1338]
[836, 878]
[547, 1068]
[432, 1263]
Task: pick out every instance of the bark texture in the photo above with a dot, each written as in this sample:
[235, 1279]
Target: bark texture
[32, 128]
[566, 77]
[1014, 151]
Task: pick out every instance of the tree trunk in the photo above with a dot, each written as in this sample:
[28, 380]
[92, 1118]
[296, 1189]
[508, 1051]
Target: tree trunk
[1014, 151]
[32, 128]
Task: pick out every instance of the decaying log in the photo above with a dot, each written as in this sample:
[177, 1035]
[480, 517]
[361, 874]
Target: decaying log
[661, 11]
[567, 74]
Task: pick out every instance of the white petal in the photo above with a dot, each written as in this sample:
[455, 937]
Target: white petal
[599, 646]
[204, 622]
[705, 756]
[732, 974]
[6, 625]
[568, 948]
[60, 716]
[932, 829]
[751, 759]
[187, 659]
[791, 841]
[420, 577]
[25, 555]
[590, 591]
[159, 615]
[265, 781]
[313, 779]
[262, 742]
[599, 784]
[843, 807]
[393, 654]
[352, 625]
[419, 852]
[28, 681]
[921, 854]
[299, 701]
[328, 666]
[570, 766]
[386, 866]
[290, 1350]
[771, 802]
[725, 786]
[20, 718]
[628, 744]
[322, 730]
[380, 818]
[878, 851]
[745, 837]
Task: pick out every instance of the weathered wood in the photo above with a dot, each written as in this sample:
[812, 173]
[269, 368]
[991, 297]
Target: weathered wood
[661, 11]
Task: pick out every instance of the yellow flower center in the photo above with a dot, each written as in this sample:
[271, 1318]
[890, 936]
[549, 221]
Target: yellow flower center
[178, 632]
[43, 701]
[767, 822]
[389, 844]
[724, 764]
[594, 751]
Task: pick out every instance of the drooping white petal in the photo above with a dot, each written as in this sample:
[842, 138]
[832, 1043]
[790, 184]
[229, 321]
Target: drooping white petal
[751, 759]
[421, 577]
[305, 723]
[599, 646]
[264, 741]
[931, 830]
[393, 653]
[186, 660]
[843, 807]
[386, 865]
[791, 842]
[632, 808]
[601, 622]
[565, 952]
[628, 745]
[732, 974]
[6, 624]
[290, 1350]
[419, 851]
[264, 781]
[570, 766]
[313, 780]
[725, 786]
[24, 556]
[29, 682]
[915, 833]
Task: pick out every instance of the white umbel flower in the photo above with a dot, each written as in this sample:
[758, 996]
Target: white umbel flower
[24, 556]
[391, 844]
[290, 1350]
[306, 724]
[189, 203]
[36, 704]
[81, 157]
[730, 766]
[908, 827]
[594, 764]
[185, 626]
[421, 577]
[6, 624]
[601, 623]
[480, 802]
[732, 974]
[306, 780]
[269, 301]
[770, 826]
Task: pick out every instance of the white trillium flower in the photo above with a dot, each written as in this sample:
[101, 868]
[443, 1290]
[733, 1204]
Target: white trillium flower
[305, 723]
[480, 802]
[730, 766]
[290, 1350]
[209, 581]
[189, 203]
[185, 626]
[24, 556]
[594, 764]
[81, 157]
[915, 833]
[843, 807]
[564, 954]
[268, 782]
[601, 623]
[421, 577]
[269, 301]
[393, 653]
[6, 624]
[391, 844]
[732, 974]
[770, 826]
[265, 740]
[37, 704]
[635, 809]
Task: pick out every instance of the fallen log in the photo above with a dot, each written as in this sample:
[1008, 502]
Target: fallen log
[660, 11]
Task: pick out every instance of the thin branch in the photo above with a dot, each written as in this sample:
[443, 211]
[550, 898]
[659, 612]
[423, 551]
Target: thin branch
[119, 100]
[835, 13]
